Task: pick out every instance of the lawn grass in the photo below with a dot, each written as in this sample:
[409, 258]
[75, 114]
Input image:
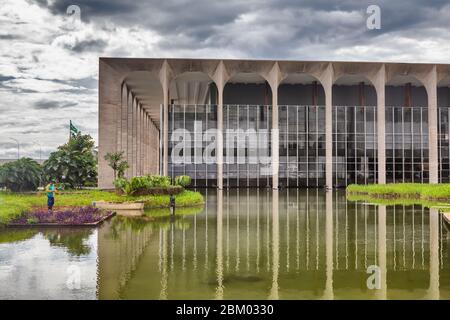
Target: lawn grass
[13, 204]
[414, 191]
[397, 201]
[427, 195]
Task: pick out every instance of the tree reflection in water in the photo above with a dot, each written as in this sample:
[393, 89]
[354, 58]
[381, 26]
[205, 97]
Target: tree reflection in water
[72, 239]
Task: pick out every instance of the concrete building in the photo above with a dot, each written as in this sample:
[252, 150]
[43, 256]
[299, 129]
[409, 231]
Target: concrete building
[330, 123]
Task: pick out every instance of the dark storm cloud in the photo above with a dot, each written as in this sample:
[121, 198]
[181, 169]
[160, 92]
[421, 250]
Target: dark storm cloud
[92, 9]
[45, 104]
[185, 24]
[94, 45]
[88, 83]
[166, 17]
[9, 37]
[5, 78]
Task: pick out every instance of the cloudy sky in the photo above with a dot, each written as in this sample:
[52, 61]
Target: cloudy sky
[49, 59]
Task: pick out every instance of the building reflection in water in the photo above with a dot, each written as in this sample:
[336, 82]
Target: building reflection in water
[290, 244]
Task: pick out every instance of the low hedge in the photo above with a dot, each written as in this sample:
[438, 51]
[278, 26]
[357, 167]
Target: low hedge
[183, 181]
[152, 191]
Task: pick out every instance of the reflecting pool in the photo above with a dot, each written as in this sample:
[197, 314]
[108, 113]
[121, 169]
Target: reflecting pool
[244, 244]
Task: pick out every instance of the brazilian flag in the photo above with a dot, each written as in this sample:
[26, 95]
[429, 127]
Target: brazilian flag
[73, 130]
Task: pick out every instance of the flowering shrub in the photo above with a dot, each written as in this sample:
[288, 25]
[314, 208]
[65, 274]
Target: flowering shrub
[75, 216]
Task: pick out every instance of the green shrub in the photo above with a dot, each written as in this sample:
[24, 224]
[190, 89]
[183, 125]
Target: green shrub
[74, 163]
[183, 181]
[165, 190]
[159, 181]
[144, 185]
[121, 184]
[21, 175]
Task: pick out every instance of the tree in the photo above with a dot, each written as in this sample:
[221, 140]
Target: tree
[21, 175]
[117, 163]
[74, 163]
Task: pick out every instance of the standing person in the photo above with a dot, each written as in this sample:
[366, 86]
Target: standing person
[51, 190]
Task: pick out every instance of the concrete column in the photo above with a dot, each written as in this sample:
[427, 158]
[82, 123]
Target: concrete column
[119, 121]
[219, 144]
[381, 124]
[138, 140]
[141, 141]
[134, 134]
[147, 152]
[144, 142]
[146, 139]
[130, 135]
[274, 80]
[275, 139]
[165, 82]
[150, 136]
[124, 117]
[220, 78]
[109, 112]
[327, 83]
[431, 87]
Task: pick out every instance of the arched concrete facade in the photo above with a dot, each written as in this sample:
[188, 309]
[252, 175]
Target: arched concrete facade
[249, 114]
[113, 71]
[302, 160]
[354, 98]
[443, 102]
[406, 115]
[192, 96]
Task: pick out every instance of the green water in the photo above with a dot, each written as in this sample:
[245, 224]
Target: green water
[245, 244]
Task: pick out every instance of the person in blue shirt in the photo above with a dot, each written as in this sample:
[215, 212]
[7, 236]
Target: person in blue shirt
[51, 190]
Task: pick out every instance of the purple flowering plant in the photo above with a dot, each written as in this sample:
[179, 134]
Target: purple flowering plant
[66, 216]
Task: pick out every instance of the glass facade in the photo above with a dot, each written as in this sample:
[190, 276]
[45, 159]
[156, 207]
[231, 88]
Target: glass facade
[443, 144]
[238, 122]
[406, 144]
[354, 145]
[302, 144]
[195, 120]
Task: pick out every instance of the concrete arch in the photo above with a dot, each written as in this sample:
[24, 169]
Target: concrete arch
[191, 87]
[268, 70]
[402, 89]
[146, 87]
[260, 91]
[410, 116]
[142, 95]
[300, 89]
[358, 87]
[443, 92]
[177, 67]
[355, 113]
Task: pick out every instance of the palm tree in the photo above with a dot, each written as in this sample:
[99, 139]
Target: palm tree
[116, 162]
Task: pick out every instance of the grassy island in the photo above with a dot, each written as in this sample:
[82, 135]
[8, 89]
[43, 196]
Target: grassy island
[14, 204]
[438, 192]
